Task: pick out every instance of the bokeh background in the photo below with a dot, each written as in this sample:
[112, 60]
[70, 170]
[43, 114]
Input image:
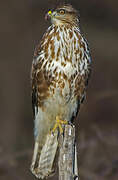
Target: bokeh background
[21, 28]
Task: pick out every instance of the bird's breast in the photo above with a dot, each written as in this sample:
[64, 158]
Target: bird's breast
[61, 52]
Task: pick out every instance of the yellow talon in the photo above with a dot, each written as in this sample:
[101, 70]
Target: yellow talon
[59, 124]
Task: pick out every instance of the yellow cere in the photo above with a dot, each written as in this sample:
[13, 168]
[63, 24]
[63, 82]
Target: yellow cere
[49, 12]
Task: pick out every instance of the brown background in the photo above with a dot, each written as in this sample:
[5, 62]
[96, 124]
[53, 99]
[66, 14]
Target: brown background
[22, 25]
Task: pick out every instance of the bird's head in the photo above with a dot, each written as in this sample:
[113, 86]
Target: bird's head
[64, 14]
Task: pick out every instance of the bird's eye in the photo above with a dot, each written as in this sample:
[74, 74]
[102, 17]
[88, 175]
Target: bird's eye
[62, 11]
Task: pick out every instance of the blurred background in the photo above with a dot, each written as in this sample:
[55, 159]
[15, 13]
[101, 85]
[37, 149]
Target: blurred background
[21, 28]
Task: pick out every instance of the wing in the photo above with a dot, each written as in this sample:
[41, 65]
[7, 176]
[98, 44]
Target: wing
[34, 91]
[45, 143]
[85, 70]
[40, 82]
[40, 78]
[83, 75]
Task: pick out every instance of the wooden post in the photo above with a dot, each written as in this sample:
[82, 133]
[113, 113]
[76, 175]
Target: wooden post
[68, 169]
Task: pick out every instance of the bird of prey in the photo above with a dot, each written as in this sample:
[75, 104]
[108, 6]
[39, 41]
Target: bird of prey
[60, 72]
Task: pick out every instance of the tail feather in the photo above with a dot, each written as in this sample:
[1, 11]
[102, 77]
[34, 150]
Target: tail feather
[43, 158]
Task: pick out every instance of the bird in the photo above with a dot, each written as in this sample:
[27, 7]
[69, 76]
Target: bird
[60, 72]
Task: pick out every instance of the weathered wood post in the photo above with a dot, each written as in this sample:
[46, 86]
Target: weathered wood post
[68, 169]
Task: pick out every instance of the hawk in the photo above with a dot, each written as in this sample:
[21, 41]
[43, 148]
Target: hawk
[59, 75]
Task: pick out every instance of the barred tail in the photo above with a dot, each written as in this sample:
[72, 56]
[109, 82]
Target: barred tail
[43, 158]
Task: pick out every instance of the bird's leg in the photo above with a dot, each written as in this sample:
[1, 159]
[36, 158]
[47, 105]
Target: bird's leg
[59, 124]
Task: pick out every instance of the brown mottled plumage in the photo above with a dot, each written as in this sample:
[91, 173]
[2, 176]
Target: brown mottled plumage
[60, 72]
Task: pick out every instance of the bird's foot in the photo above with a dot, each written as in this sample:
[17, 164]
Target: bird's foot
[59, 123]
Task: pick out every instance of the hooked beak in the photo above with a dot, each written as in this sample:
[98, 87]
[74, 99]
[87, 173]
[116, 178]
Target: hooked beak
[48, 15]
